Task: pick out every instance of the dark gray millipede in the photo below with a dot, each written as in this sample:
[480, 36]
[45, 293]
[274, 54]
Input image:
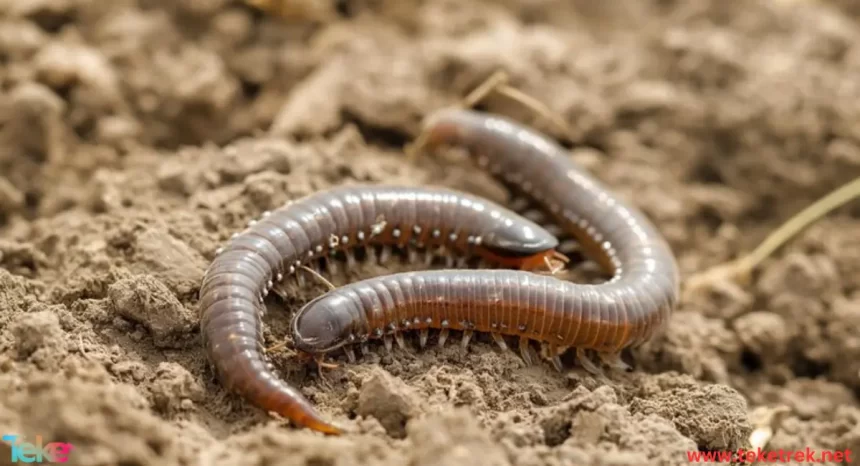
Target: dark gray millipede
[608, 317]
[323, 226]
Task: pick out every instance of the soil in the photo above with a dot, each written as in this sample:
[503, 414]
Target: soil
[137, 136]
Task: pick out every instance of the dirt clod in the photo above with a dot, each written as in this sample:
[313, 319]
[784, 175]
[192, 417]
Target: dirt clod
[147, 301]
[389, 400]
[39, 338]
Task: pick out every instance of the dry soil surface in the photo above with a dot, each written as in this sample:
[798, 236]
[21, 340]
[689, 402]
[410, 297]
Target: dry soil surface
[137, 136]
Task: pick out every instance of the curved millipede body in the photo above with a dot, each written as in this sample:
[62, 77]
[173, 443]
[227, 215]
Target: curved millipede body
[607, 317]
[320, 226]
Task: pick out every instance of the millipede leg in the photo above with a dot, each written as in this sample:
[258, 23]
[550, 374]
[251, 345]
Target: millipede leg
[318, 276]
[321, 364]
[422, 336]
[330, 265]
[500, 340]
[350, 259]
[385, 255]
[281, 290]
[613, 361]
[387, 340]
[551, 353]
[518, 204]
[277, 346]
[583, 359]
[350, 354]
[467, 336]
[429, 254]
[412, 255]
[398, 337]
[443, 336]
[526, 351]
[364, 349]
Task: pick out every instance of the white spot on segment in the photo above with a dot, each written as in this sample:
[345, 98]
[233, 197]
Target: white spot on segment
[651, 265]
[378, 227]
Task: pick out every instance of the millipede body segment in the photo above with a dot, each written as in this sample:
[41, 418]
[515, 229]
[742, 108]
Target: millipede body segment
[324, 227]
[623, 312]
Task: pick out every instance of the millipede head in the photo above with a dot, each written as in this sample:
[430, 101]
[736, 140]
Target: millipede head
[513, 243]
[323, 324]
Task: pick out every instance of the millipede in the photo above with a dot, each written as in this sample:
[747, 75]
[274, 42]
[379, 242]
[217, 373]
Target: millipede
[605, 318]
[319, 228]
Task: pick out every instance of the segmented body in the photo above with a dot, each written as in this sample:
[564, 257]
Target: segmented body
[319, 226]
[607, 317]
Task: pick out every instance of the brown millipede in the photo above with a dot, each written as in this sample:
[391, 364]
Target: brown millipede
[320, 226]
[608, 317]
